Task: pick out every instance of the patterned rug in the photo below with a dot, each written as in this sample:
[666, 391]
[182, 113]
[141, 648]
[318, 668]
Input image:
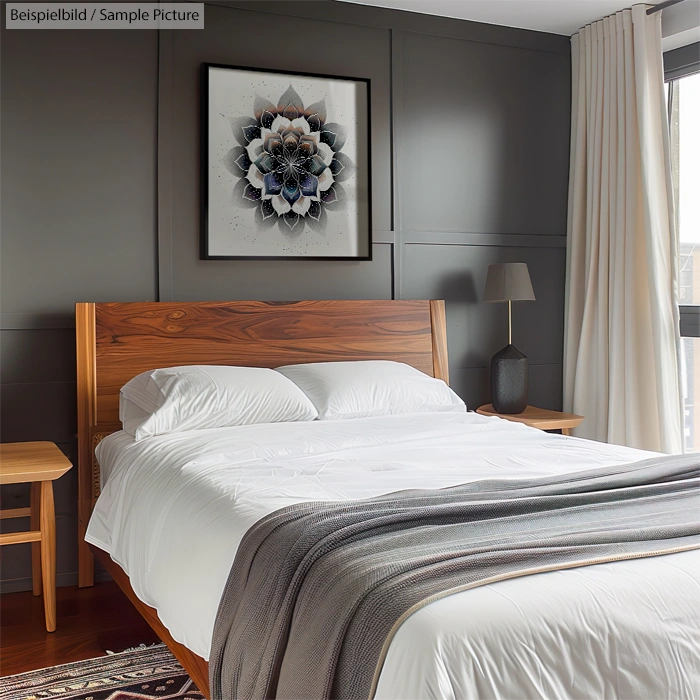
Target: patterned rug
[141, 674]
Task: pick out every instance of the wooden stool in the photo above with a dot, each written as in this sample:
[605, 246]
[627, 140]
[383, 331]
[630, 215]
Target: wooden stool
[38, 463]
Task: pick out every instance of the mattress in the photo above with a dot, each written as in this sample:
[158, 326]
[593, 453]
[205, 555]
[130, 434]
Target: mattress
[174, 508]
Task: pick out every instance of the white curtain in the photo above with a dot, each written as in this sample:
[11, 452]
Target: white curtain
[622, 343]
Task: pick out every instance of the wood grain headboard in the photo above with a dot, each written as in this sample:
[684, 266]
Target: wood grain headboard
[117, 341]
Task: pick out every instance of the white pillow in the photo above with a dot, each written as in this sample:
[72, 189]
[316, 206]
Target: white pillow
[202, 396]
[370, 388]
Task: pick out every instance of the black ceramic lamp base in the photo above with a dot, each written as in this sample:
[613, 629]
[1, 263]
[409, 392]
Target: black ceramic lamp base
[509, 381]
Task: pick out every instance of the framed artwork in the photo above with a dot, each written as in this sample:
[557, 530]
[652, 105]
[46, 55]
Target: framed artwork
[285, 165]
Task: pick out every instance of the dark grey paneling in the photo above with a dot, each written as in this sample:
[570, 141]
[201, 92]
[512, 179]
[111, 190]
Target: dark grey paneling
[45, 411]
[470, 152]
[26, 320]
[78, 115]
[475, 330]
[483, 146]
[407, 21]
[302, 280]
[545, 385]
[485, 141]
[332, 43]
[34, 356]
[682, 61]
[78, 168]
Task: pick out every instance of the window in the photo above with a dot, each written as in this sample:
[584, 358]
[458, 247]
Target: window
[683, 94]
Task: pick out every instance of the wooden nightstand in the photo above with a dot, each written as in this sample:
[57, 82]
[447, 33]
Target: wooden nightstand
[541, 418]
[38, 463]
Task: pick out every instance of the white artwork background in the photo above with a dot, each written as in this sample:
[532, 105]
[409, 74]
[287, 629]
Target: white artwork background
[232, 228]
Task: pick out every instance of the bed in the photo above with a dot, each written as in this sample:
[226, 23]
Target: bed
[580, 630]
[116, 341]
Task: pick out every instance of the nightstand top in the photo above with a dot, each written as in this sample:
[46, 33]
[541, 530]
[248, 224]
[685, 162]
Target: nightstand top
[541, 418]
[23, 462]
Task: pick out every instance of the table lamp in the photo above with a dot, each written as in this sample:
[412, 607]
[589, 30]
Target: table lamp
[508, 282]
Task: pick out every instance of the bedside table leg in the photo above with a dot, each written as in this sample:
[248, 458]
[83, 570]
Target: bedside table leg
[35, 504]
[565, 431]
[48, 554]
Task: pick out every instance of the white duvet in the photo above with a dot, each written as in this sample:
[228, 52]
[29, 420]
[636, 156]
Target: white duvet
[174, 508]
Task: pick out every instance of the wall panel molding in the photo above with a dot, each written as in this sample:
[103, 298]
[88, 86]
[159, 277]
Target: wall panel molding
[397, 160]
[383, 237]
[505, 240]
[165, 165]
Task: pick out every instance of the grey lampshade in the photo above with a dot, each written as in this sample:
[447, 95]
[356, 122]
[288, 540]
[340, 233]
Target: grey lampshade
[508, 282]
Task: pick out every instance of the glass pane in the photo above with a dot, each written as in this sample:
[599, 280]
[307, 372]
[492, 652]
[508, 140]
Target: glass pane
[691, 393]
[688, 174]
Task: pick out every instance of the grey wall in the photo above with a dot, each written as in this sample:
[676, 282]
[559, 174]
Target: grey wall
[100, 182]
[78, 173]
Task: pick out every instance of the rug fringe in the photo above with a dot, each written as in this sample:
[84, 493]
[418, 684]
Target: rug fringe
[139, 647]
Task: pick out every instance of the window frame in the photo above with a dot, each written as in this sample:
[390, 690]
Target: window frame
[680, 63]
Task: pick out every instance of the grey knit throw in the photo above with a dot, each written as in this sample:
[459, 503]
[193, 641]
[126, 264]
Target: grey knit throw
[317, 590]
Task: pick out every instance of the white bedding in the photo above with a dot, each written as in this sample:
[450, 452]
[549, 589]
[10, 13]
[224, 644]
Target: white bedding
[174, 508]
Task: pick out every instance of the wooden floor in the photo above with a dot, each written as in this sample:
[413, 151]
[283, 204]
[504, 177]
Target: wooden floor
[90, 621]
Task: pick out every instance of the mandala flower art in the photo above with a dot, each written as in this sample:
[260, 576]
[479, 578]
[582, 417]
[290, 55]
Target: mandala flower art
[290, 164]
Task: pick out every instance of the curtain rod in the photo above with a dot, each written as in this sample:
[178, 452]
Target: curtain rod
[662, 6]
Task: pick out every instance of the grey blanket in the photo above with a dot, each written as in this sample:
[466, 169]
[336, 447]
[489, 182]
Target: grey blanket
[317, 590]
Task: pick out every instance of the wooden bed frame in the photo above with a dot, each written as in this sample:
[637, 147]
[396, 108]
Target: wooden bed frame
[117, 341]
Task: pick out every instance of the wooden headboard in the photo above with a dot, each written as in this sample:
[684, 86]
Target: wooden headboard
[117, 341]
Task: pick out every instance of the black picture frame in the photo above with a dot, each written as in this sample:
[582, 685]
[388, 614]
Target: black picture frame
[205, 166]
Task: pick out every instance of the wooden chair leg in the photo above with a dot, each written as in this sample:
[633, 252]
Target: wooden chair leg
[35, 503]
[48, 554]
